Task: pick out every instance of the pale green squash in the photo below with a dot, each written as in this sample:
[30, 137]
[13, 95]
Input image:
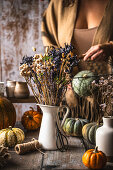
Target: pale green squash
[81, 83]
[73, 126]
[89, 132]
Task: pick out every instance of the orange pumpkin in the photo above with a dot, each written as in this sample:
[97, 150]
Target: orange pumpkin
[31, 120]
[94, 159]
[7, 113]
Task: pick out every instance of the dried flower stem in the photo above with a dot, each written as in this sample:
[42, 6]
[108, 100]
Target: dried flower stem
[37, 88]
[35, 95]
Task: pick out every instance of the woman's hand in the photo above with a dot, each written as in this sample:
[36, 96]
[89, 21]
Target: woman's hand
[99, 52]
[69, 87]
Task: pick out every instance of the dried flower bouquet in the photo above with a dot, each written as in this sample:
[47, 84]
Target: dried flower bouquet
[48, 74]
[103, 91]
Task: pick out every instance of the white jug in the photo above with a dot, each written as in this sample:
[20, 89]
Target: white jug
[47, 134]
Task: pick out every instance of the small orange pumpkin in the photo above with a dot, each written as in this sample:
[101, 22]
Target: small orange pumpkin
[94, 159]
[31, 119]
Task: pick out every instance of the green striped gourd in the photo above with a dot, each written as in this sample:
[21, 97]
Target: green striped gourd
[73, 126]
[11, 136]
[89, 132]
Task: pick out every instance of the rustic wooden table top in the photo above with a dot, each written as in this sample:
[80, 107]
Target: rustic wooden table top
[71, 159]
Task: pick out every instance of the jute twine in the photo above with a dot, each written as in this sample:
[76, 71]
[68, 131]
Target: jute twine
[27, 147]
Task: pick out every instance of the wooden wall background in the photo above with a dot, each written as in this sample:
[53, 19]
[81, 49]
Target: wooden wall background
[20, 23]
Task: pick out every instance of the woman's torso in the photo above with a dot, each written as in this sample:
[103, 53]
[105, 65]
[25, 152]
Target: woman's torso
[90, 13]
[87, 22]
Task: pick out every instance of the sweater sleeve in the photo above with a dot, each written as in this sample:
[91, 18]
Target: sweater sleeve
[49, 25]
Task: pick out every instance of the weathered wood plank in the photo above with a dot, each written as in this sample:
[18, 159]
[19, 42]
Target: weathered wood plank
[71, 159]
[20, 23]
[0, 42]
[20, 30]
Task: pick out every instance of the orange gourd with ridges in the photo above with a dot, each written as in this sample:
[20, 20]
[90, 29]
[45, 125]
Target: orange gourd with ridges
[31, 120]
[94, 159]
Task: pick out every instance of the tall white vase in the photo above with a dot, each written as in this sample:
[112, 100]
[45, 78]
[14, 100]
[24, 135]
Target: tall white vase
[104, 137]
[47, 134]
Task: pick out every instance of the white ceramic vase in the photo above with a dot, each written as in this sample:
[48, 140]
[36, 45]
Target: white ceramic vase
[104, 137]
[47, 134]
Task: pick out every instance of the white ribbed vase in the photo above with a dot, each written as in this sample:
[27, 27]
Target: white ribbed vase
[104, 137]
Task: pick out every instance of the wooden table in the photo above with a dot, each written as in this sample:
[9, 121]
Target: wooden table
[71, 159]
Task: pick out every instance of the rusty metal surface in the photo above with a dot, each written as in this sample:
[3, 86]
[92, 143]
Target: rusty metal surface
[20, 22]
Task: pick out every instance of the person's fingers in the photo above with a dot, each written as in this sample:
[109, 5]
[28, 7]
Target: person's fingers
[92, 51]
[96, 55]
[69, 86]
[82, 55]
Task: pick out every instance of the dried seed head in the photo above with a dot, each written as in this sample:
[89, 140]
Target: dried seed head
[33, 48]
[71, 53]
[101, 78]
[24, 66]
[47, 49]
[41, 56]
[36, 56]
[63, 55]
[109, 87]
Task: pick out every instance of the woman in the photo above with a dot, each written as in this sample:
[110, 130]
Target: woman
[87, 24]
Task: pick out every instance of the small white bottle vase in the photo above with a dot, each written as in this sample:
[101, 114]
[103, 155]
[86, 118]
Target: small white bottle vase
[104, 137]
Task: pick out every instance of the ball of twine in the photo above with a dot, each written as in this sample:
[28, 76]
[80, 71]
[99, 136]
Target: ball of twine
[27, 147]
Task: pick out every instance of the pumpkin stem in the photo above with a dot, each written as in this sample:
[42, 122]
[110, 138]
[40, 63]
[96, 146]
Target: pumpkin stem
[98, 122]
[10, 127]
[77, 118]
[31, 108]
[96, 149]
[84, 75]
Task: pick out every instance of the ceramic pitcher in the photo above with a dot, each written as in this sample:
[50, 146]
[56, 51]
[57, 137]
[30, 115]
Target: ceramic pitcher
[47, 134]
[104, 137]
